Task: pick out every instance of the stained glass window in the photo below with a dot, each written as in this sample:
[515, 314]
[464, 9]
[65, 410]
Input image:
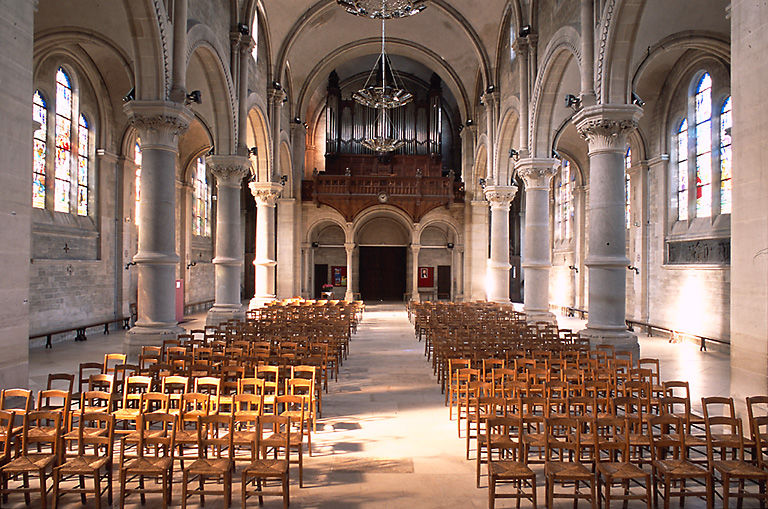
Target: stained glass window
[725, 157]
[704, 147]
[255, 36]
[39, 150]
[564, 202]
[627, 166]
[137, 163]
[63, 165]
[512, 53]
[83, 165]
[201, 209]
[682, 171]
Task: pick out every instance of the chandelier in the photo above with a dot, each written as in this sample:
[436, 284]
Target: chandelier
[382, 142]
[387, 94]
[384, 9]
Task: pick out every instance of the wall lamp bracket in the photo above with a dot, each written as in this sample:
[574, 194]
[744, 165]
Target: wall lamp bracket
[194, 97]
[574, 268]
[191, 264]
[632, 267]
[129, 265]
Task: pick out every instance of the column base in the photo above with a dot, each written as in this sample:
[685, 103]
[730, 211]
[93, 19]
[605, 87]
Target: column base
[140, 336]
[620, 339]
[349, 296]
[223, 313]
[260, 301]
[539, 316]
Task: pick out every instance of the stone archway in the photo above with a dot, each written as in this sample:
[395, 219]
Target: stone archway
[382, 256]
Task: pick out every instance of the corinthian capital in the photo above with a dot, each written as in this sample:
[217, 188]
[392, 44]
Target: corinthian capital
[606, 126]
[276, 96]
[159, 123]
[537, 173]
[229, 170]
[500, 196]
[265, 193]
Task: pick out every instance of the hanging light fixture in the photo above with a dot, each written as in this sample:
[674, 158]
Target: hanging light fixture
[387, 94]
[386, 9]
[383, 142]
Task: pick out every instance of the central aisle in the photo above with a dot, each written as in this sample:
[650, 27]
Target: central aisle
[386, 439]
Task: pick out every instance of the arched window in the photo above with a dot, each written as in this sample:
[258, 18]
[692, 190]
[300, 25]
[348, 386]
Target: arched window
[40, 149]
[704, 147]
[725, 157]
[703, 180]
[137, 163]
[564, 186]
[201, 208]
[255, 36]
[682, 171]
[512, 53]
[627, 206]
[63, 165]
[83, 165]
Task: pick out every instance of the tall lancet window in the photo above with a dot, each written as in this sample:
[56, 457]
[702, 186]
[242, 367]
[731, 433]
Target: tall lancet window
[83, 165]
[201, 208]
[63, 165]
[704, 147]
[627, 196]
[39, 150]
[725, 157]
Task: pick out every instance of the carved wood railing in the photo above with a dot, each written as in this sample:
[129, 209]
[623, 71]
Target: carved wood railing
[351, 193]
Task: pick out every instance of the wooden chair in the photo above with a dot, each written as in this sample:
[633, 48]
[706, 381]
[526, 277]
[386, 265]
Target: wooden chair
[154, 458]
[670, 461]
[175, 387]
[214, 448]
[263, 469]
[295, 408]
[94, 454]
[509, 463]
[725, 436]
[758, 424]
[247, 410]
[18, 400]
[211, 386]
[85, 370]
[135, 387]
[485, 407]
[562, 465]
[110, 360]
[6, 443]
[612, 462]
[39, 453]
[193, 406]
[67, 381]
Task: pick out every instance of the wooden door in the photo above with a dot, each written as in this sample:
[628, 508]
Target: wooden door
[444, 282]
[382, 273]
[321, 278]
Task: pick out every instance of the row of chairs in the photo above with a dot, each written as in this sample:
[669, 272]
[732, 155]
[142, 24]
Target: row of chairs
[263, 443]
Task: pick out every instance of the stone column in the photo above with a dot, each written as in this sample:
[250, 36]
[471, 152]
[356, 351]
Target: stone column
[229, 172]
[605, 127]
[415, 248]
[499, 198]
[266, 195]
[245, 47]
[179, 88]
[579, 230]
[287, 220]
[537, 250]
[491, 100]
[159, 124]
[521, 47]
[587, 93]
[276, 99]
[350, 248]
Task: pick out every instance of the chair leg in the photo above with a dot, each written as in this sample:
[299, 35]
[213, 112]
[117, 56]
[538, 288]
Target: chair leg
[491, 492]
[97, 489]
[184, 489]
[43, 491]
[82, 487]
[55, 476]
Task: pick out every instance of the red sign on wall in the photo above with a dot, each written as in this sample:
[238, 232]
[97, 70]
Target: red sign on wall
[426, 277]
[339, 275]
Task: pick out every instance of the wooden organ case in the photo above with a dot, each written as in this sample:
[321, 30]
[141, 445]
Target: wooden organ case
[412, 178]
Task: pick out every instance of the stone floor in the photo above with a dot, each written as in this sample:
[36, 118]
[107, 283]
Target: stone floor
[385, 439]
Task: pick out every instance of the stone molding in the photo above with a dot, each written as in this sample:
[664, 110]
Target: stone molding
[229, 170]
[246, 44]
[500, 196]
[605, 127]
[276, 96]
[159, 123]
[265, 193]
[537, 173]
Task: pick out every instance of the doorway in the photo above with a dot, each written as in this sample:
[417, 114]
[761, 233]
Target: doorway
[321, 278]
[382, 273]
[443, 282]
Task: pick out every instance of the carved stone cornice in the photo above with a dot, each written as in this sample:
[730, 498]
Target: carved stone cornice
[265, 193]
[500, 196]
[229, 170]
[537, 173]
[159, 123]
[605, 127]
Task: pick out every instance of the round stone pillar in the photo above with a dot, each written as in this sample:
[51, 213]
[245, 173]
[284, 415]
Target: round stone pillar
[499, 197]
[415, 248]
[537, 251]
[159, 124]
[350, 248]
[229, 171]
[605, 127]
[265, 194]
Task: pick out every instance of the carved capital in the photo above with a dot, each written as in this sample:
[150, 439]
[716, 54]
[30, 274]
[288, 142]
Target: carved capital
[490, 98]
[247, 44]
[159, 123]
[229, 170]
[537, 173]
[265, 194]
[605, 127]
[500, 196]
[521, 45]
[276, 96]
